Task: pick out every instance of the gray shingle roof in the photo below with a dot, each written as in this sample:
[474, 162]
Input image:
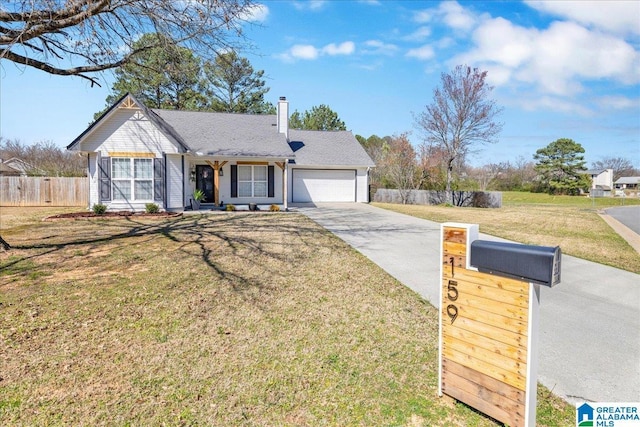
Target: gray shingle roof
[594, 171]
[628, 180]
[249, 135]
[226, 134]
[8, 170]
[327, 148]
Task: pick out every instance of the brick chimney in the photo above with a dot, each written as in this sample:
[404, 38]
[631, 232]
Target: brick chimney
[283, 116]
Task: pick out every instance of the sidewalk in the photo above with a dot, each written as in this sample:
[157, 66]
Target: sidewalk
[625, 232]
[590, 322]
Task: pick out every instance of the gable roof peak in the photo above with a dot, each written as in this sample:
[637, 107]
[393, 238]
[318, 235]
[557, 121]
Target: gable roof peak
[129, 101]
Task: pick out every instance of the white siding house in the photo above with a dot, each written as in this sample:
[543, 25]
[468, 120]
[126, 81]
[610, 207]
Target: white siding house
[137, 156]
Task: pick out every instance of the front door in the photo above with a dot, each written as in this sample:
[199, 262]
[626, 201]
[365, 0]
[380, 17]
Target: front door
[204, 182]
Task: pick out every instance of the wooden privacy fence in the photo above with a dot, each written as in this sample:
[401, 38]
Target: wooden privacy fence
[43, 191]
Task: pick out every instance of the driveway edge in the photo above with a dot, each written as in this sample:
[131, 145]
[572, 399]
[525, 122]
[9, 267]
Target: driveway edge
[623, 231]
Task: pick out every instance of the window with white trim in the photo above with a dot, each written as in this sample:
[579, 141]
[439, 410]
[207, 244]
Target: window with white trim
[132, 179]
[252, 181]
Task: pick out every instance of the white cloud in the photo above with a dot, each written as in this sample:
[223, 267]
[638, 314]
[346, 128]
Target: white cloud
[371, 66]
[619, 17]
[445, 43]
[303, 51]
[498, 75]
[423, 16]
[551, 103]
[345, 48]
[500, 41]
[569, 50]
[557, 59]
[309, 52]
[451, 13]
[377, 47]
[456, 16]
[420, 34]
[256, 13]
[422, 53]
[618, 102]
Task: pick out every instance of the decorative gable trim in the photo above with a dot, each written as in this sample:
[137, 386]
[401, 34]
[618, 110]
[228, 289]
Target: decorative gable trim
[129, 102]
[76, 142]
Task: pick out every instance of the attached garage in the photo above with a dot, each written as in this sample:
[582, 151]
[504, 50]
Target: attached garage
[324, 185]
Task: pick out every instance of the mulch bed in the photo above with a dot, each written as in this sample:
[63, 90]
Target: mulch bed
[111, 215]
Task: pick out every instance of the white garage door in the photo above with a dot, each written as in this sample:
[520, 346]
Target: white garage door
[324, 185]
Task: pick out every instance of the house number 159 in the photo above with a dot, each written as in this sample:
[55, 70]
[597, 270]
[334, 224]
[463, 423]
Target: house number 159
[452, 295]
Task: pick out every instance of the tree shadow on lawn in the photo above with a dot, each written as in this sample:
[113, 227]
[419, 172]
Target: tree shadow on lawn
[260, 245]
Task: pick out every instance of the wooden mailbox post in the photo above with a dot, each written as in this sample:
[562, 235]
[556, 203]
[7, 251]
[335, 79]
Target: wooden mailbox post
[489, 323]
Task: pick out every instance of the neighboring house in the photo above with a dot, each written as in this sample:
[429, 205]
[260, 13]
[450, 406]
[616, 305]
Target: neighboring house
[23, 168]
[6, 170]
[138, 155]
[601, 181]
[628, 183]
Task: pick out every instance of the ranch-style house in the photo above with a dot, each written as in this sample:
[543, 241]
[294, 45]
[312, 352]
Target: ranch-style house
[138, 155]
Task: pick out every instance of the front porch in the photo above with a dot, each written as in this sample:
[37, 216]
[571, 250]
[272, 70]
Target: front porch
[241, 183]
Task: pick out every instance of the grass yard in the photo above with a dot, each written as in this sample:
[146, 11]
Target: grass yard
[219, 320]
[540, 219]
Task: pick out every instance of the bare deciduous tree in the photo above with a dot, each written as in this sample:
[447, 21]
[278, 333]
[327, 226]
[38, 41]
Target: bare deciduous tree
[400, 166]
[433, 162]
[461, 116]
[620, 165]
[486, 174]
[376, 147]
[45, 157]
[55, 35]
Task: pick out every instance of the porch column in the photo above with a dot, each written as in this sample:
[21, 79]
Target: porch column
[285, 195]
[216, 165]
[283, 167]
[216, 183]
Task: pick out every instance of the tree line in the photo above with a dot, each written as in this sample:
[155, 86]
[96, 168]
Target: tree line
[558, 168]
[44, 158]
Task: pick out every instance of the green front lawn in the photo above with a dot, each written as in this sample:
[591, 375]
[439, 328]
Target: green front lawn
[540, 219]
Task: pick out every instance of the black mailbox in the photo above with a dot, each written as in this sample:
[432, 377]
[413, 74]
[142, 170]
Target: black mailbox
[536, 264]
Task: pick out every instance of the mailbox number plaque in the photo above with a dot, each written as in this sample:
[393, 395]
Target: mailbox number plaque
[452, 296]
[485, 334]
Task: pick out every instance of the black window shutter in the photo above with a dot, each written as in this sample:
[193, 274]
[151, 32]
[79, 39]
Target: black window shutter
[105, 179]
[234, 180]
[158, 180]
[270, 180]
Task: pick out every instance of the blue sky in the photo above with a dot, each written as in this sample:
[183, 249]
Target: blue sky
[560, 70]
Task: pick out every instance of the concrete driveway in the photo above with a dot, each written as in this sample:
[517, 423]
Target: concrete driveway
[590, 322]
